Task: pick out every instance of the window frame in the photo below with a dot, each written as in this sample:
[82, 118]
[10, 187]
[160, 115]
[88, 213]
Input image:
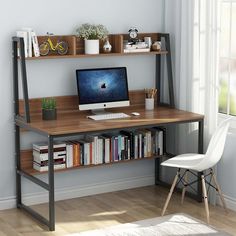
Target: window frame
[223, 116]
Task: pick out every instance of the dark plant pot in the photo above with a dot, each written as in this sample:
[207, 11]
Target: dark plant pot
[49, 114]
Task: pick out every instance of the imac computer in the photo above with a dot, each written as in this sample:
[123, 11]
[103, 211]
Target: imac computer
[102, 88]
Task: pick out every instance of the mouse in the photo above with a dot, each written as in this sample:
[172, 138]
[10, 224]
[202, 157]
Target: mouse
[135, 114]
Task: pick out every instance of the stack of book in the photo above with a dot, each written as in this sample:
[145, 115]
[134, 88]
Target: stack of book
[40, 156]
[137, 47]
[30, 42]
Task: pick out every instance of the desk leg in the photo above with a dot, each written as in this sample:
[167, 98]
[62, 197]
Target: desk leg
[157, 171]
[18, 166]
[200, 151]
[51, 184]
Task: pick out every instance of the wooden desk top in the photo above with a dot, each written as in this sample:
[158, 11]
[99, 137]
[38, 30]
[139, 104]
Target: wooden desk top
[72, 122]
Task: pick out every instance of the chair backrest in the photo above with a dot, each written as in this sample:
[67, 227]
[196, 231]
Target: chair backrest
[216, 147]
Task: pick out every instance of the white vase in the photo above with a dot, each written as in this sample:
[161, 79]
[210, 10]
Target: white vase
[91, 46]
[107, 46]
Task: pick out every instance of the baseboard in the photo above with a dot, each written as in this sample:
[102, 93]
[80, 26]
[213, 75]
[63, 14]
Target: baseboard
[80, 191]
[230, 202]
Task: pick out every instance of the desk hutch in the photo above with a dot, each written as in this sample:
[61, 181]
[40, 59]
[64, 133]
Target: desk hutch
[71, 122]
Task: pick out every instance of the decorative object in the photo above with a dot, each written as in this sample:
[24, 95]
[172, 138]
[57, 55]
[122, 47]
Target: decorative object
[107, 46]
[156, 46]
[148, 41]
[61, 47]
[133, 35]
[177, 224]
[49, 111]
[91, 33]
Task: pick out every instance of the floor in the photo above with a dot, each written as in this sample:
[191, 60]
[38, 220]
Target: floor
[86, 213]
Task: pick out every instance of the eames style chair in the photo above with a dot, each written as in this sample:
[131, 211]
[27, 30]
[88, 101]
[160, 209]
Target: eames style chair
[202, 163]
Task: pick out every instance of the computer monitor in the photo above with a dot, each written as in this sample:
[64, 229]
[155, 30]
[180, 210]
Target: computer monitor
[102, 88]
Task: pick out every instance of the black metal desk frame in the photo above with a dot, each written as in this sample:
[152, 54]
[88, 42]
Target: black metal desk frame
[23, 121]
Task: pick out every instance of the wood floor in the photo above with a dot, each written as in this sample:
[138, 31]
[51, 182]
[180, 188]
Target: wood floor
[93, 212]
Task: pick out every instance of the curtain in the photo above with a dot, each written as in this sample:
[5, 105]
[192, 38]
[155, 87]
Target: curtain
[194, 27]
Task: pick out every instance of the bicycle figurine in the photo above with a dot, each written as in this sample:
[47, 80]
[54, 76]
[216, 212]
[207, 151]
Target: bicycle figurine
[61, 47]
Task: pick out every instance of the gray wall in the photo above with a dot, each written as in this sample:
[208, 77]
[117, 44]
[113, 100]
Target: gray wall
[57, 77]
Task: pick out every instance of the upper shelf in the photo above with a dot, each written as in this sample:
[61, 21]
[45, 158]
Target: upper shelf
[97, 55]
[76, 46]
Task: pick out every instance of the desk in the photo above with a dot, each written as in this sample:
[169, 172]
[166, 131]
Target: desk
[73, 123]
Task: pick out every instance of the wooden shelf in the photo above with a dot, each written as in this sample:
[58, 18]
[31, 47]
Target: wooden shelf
[97, 55]
[76, 46]
[27, 161]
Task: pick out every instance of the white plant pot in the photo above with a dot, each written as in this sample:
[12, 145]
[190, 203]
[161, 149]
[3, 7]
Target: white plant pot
[91, 46]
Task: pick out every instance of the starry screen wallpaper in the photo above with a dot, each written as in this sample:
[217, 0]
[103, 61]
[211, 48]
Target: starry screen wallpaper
[102, 85]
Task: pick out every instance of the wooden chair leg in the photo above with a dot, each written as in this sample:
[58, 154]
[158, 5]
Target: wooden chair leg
[219, 191]
[205, 198]
[170, 193]
[184, 188]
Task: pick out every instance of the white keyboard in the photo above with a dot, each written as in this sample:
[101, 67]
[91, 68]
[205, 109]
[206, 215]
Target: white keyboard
[108, 116]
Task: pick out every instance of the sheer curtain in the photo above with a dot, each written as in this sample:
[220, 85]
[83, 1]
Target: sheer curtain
[194, 26]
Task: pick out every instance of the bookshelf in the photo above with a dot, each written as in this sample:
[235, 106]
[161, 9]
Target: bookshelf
[71, 122]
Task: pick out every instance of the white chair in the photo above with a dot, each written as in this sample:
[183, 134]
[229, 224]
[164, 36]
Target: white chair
[200, 163]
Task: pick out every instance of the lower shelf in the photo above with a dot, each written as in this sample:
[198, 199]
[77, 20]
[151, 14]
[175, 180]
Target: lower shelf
[27, 163]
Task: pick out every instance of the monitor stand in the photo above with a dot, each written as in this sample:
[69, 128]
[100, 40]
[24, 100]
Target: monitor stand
[100, 111]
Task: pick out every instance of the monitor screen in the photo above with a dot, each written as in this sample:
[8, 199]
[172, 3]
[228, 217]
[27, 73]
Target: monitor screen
[102, 88]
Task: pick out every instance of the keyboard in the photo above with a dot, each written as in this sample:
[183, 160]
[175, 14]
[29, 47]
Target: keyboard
[108, 116]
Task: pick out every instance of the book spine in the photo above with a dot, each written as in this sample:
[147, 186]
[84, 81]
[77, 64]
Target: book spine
[107, 150]
[149, 143]
[90, 160]
[116, 149]
[136, 146]
[95, 150]
[119, 147]
[140, 145]
[44, 156]
[45, 168]
[81, 156]
[35, 44]
[129, 147]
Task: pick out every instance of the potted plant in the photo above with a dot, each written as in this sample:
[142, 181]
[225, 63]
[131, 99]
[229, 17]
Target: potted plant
[49, 111]
[91, 34]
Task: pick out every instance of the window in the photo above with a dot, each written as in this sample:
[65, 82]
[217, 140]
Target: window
[227, 61]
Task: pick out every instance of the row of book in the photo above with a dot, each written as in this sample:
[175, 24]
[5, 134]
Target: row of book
[101, 149]
[30, 42]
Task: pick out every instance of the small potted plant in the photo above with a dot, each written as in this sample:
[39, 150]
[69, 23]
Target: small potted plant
[49, 111]
[91, 34]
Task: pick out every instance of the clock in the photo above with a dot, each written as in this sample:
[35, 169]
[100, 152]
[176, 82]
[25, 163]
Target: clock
[133, 35]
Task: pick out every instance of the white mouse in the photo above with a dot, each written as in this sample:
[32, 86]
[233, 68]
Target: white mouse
[135, 114]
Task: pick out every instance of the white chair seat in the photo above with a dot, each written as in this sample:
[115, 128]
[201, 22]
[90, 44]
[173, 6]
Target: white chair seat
[185, 161]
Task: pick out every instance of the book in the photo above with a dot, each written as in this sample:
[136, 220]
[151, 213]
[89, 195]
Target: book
[29, 41]
[69, 154]
[76, 153]
[35, 44]
[130, 135]
[136, 50]
[23, 34]
[44, 146]
[44, 167]
[44, 156]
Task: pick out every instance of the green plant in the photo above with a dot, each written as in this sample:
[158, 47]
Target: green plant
[92, 31]
[49, 103]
